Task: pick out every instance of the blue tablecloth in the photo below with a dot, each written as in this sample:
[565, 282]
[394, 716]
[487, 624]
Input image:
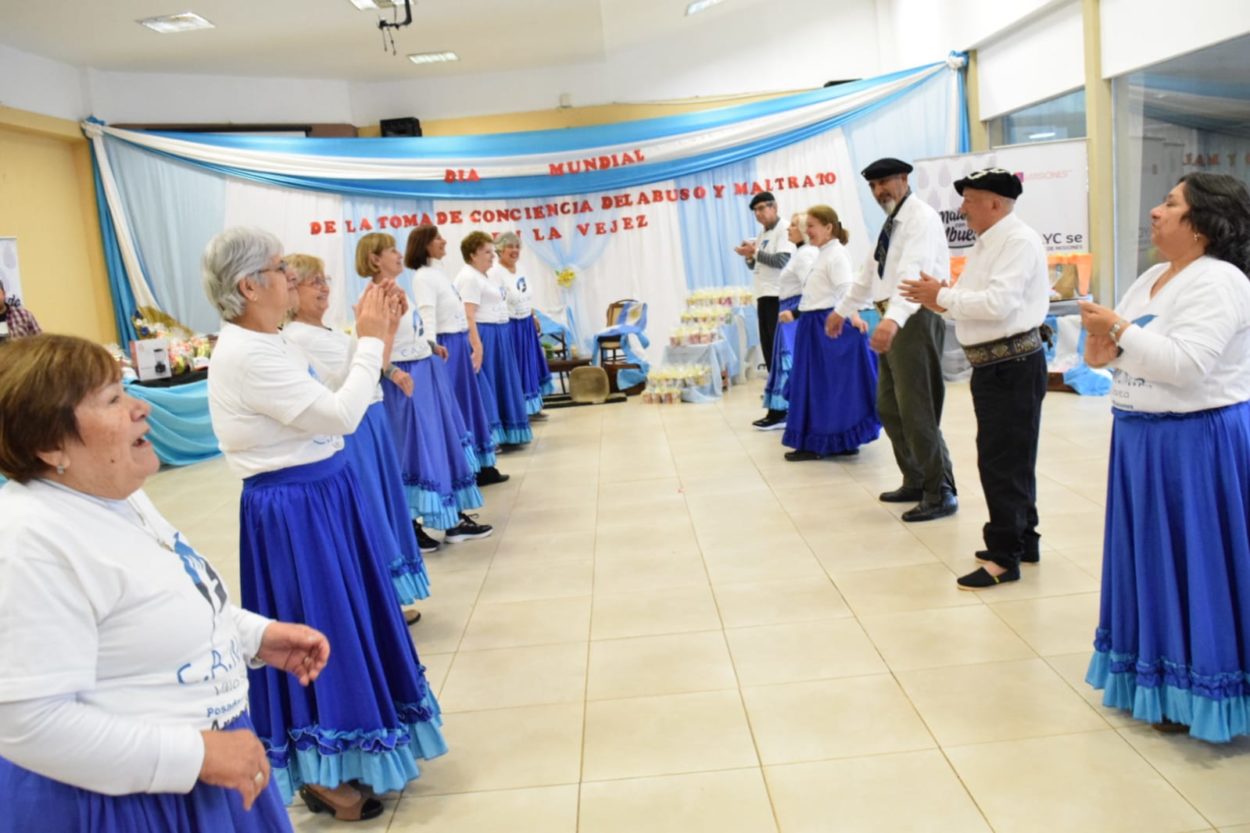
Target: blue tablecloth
[716, 355]
[180, 428]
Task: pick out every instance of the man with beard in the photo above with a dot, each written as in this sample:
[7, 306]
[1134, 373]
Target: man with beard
[909, 340]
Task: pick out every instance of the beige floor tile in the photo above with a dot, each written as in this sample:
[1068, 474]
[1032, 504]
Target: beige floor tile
[946, 636]
[647, 573]
[775, 602]
[535, 746]
[544, 521]
[1063, 530]
[1092, 781]
[1072, 668]
[920, 587]
[734, 801]
[757, 563]
[911, 791]
[833, 719]
[658, 611]
[997, 701]
[538, 622]
[1213, 777]
[668, 536]
[843, 551]
[436, 668]
[442, 625]
[548, 580]
[538, 547]
[798, 651]
[669, 664]
[1059, 625]
[532, 810]
[666, 735]
[305, 821]
[515, 677]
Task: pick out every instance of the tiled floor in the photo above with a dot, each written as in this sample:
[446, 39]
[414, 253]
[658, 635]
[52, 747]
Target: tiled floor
[674, 629]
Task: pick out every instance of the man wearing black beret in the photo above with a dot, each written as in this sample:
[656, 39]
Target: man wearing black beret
[909, 341]
[998, 306]
[766, 256]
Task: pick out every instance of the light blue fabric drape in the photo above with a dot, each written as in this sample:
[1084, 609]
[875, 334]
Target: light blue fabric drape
[119, 287]
[369, 207]
[173, 209]
[179, 426]
[711, 228]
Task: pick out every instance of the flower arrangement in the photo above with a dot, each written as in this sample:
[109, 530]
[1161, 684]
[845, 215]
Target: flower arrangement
[565, 277]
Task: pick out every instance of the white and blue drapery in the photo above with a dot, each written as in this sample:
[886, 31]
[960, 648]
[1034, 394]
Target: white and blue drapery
[647, 209]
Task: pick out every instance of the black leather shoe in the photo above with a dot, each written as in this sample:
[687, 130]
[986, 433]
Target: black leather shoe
[980, 578]
[801, 456]
[1025, 558]
[490, 475]
[902, 495]
[925, 511]
[772, 421]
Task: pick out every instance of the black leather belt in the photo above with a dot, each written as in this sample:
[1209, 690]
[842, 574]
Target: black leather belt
[1002, 349]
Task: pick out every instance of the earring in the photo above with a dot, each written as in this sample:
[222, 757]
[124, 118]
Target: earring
[60, 468]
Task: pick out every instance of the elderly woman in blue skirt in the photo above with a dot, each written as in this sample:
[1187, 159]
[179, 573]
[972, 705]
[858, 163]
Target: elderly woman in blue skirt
[123, 667]
[435, 453]
[370, 448]
[523, 324]
[1173, 638]
[833, 381]
[486, 308]
[790, 281]
[442, 311]
[308, 538]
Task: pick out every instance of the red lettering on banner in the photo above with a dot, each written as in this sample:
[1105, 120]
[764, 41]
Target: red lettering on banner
[583, 229]
[643, 199]
[642, 221]
[460, 175]
[627, 223]
[351, 229]
[595, 163]
[314, 228]
[365, 225]
[410, 221]
[808, 182]
[449, 175]
[601, 228]
[741, 189]
[331, 227]
[720, 190]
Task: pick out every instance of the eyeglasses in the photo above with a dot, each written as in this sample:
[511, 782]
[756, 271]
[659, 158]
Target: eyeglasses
[281, 267]
[319, 281]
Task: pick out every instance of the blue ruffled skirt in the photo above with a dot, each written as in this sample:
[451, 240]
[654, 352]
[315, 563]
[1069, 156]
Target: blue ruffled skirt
[33, 802]
[501, 373]
[833, 389]
[468, 391]
[532, 363]
[435, 450]
[1173, 638]
[777, 387]
[304, 557]
[371, 453]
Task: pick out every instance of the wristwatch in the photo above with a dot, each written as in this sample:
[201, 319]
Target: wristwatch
[1116, 329]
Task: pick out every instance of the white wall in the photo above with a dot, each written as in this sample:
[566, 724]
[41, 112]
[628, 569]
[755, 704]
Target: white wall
[40, 85]
[144, 97]
[1136, 33]
[783, 47]
[915, 32]
[1039, 60]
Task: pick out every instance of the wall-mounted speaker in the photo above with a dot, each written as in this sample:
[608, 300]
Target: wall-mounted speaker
[408, 126]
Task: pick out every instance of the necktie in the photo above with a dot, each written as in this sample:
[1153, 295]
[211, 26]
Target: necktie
[883, 245]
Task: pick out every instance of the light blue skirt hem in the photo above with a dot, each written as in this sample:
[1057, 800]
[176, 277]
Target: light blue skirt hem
[516, 436]
[410, 585]
[533, 405]
[433, 510]
[1209, 719]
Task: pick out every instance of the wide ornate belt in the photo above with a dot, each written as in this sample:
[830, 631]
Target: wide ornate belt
[882, 307]
[1002, 349]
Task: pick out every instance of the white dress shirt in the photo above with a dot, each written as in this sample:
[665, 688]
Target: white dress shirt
[269, 412]
[774, 241]
[797, 269]
[1004, 288]
[917, 244]
[829, 279]
[1188, 348]
[438, 302]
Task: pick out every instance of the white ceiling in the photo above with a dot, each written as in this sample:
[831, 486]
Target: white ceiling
[331, 39]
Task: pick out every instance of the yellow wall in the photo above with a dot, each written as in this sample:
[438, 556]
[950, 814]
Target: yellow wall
[47, 201]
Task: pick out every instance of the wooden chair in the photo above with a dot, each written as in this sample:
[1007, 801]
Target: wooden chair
[610, 350]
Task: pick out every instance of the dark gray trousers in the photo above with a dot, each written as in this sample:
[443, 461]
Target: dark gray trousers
[910, 394]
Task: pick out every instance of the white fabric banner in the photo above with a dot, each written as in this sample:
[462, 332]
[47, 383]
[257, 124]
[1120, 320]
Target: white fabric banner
[10, 273]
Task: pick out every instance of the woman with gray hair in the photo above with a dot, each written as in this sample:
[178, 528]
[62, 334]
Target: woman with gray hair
[306, 542]
[531, 361]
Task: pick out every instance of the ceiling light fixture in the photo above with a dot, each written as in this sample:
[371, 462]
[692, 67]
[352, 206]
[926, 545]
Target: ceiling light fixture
[170, 23]
[376, 5]
[433, 57]
[701, 5]
[1047, 135]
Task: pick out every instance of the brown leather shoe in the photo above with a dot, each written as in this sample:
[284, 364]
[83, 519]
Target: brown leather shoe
[345, 802]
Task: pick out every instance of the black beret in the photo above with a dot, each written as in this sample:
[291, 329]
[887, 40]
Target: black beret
[996, 180]
[886, 167]
[762, 196]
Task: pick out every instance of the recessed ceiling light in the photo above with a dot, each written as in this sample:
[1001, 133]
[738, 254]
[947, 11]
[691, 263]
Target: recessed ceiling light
[700, 5]
[170, 23]
[376, 5]
[433, 57]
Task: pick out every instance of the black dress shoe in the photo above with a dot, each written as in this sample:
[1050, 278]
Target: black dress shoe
[1025, 558]
[772, 421]
[980, 578]
[902, 494]
[801, 456]
[490, 475]
[926, 511]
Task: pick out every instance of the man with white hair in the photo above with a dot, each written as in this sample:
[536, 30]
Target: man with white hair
[999, 305]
